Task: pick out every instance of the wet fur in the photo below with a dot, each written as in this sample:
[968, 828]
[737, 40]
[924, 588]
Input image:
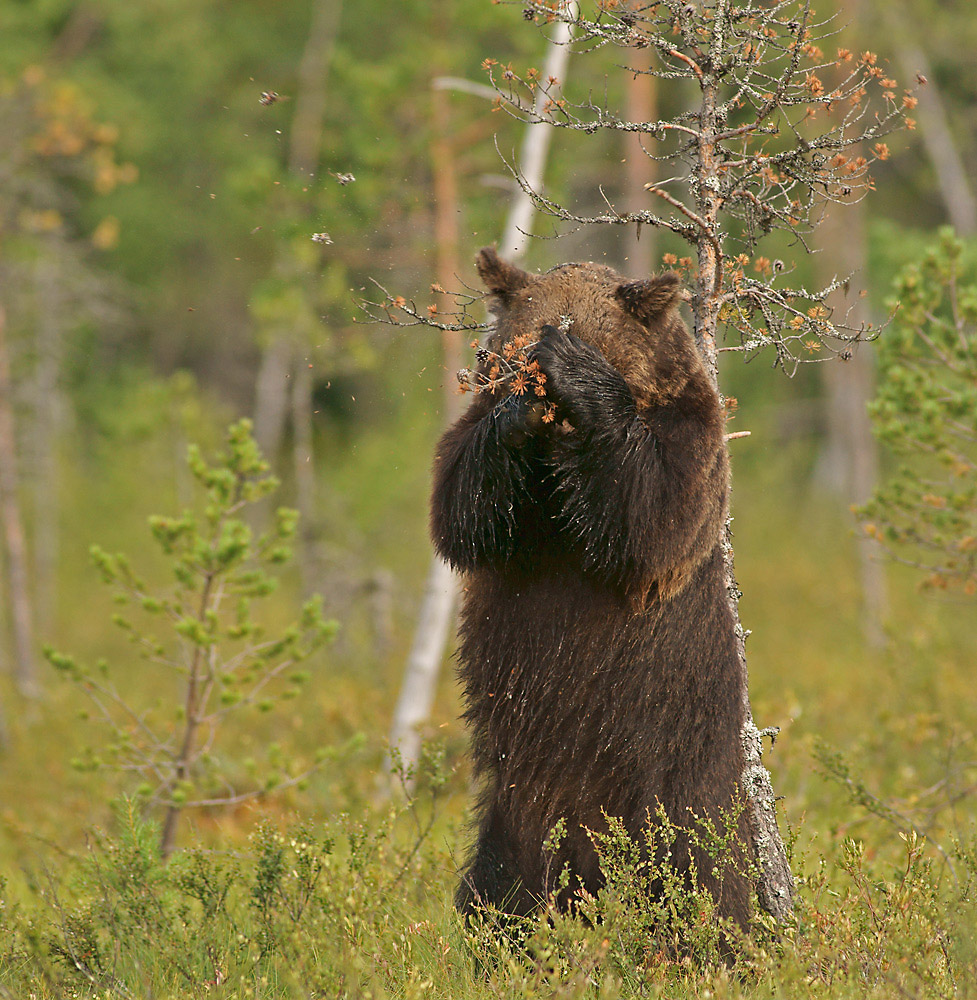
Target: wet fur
[597, 648]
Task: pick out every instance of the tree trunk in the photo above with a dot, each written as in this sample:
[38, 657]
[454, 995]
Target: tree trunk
[272, 388]
[641, 98]
[535, 147]
[934, 127]
[47, 414]
[441, 592]
[305, 138]
[849, 461]
[423, 668]
[776, 886]
[302, 456]
[13, 529]
[440, 595]
[311, 95]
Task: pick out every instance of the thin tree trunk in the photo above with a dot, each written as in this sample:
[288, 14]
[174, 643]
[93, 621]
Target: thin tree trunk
[423, 669]
[447, 206]
[13, 529]
[535, 147]
[47, 413]
[271, 395]
[934, 127]
[849, 461]
[641, 98]
[302, 455]
[441, 592]
[305, 139]
[311, 94]
[304, 151]
[776, 885]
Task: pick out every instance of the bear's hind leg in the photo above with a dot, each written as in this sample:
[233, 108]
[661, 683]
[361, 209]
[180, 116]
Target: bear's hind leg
[492, 877]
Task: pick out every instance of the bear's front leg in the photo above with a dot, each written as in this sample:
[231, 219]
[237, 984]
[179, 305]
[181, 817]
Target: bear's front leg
[588, 392]
[482, 470]
[638, 490]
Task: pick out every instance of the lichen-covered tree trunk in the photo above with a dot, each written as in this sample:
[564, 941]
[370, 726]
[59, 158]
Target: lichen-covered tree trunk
[775, 888]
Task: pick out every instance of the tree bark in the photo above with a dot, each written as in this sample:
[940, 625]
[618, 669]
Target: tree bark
[311, 95]
[441, 592]
[423, 669]
[304, 468]
[850, 459]
[13, 529]
[849, 462]
[47, 415]
[776, 884]
[641, 97]
[271, 395]
[535, 147]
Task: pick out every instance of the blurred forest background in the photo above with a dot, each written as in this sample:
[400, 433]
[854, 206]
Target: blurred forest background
[164, 167]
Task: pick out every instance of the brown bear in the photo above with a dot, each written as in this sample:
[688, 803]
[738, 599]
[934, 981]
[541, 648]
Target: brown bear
[597, 647]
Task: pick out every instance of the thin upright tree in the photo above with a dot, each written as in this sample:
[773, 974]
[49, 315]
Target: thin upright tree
[431, 633]
[284, 382]
[849, 453]
[14, 537]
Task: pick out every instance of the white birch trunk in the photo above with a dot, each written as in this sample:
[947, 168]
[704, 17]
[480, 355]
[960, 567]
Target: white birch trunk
[535, 147]
[440, 596]
[423, 668]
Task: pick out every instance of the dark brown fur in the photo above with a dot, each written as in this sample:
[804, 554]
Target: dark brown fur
[597, 648]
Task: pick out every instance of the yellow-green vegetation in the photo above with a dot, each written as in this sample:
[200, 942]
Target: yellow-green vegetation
[355, 907]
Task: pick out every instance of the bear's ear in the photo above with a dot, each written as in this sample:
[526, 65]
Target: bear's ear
[651, 298]
[499, 276]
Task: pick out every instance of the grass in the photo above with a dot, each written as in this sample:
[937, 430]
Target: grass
[363, 909]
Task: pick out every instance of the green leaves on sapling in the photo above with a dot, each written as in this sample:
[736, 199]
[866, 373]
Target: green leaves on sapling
[226, 658]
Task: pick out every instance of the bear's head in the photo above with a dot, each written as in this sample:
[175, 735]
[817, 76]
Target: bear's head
[634, 324]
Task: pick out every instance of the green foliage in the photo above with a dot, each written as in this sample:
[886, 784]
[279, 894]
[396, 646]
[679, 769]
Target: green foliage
[926, 412]
[203, 630]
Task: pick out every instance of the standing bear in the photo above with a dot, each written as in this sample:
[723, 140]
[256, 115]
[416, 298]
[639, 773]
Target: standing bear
[597, 648]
